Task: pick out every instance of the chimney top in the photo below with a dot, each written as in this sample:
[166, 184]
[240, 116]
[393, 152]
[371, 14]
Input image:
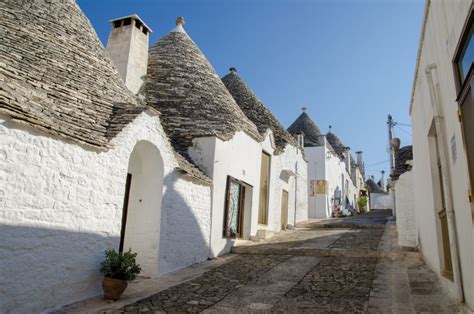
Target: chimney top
[126, 20]
[359, 152]
[304, 109]
[383, 171]
[233, 70]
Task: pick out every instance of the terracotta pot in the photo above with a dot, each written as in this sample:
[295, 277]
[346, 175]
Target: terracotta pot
[113, 288]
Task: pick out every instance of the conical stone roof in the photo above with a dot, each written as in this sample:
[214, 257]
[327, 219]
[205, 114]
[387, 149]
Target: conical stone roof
[256, 111]
[185, 88]
[374, 187]
[312, 134]
[336, 144]
[56, 76]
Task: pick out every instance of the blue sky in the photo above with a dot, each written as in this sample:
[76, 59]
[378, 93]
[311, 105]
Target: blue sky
[350, 62]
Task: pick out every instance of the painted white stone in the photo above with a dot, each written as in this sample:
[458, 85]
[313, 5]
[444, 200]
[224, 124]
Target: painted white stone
[405, 203]
[61, 207]
[380, 201]
[444, 25]
[324, 164]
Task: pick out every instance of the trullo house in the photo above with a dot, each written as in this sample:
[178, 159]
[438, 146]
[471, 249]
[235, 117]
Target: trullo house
[283, 200]
[149, 152]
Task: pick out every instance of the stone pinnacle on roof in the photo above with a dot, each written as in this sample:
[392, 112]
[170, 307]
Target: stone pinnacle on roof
[256, 110]
[304, 124]
[179, 25]
[185, 88]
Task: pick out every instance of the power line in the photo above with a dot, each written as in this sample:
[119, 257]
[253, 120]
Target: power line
[377, 163]
[405, 131]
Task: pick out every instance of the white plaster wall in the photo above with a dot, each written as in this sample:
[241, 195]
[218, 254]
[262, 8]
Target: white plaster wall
[317, 203]
[323, 164]
[380, 201]
[443, 29]
[405, 203]
[239, 157]
[61, 207]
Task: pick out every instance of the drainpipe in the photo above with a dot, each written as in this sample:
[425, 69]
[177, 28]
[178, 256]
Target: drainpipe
[440, 126]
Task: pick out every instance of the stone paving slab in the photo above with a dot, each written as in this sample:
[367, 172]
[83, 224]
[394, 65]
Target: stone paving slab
[318, 270]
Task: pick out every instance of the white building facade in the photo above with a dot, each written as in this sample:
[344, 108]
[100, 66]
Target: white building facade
[441, 110]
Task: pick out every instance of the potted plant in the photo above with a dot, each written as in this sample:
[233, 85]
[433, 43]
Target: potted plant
[118, 269]
[362, 203]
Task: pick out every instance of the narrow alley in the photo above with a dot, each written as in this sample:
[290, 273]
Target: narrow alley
[338, 265]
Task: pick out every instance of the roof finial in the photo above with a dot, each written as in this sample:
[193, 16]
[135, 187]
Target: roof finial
[233, 70]
[179, 21]
[304, 109]
[330, 127]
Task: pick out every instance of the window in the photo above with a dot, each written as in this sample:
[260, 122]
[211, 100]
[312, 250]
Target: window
[463, 67]
[466, 56]
[234, 207]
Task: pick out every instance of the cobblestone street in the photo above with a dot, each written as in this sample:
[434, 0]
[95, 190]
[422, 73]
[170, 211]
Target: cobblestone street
[348, 265]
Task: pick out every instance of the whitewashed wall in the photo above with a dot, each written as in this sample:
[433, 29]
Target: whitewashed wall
[239, 157]
[405, 208]
[61, 207]
[443, 29]
[380, 201]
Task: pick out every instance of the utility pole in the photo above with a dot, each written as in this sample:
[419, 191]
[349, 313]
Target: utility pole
[390, 137]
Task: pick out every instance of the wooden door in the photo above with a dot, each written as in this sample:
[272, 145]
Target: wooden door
[284, 210]
[125, 210]
[264, 189]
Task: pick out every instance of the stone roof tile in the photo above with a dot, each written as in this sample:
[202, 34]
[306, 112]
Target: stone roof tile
[55, 72]
[402, 155]
[192, 100]
[256, 111]
[312, 134]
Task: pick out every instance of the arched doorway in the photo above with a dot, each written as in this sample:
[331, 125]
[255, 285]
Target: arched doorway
[142, 207]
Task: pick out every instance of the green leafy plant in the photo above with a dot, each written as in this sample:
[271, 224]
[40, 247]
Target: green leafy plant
[120, 265]
[362, 202]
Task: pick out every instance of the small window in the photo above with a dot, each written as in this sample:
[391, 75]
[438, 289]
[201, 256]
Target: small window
[117, 24]
[127, 21]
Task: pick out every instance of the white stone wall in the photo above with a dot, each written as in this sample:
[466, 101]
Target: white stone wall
[239, 157]
[444, 25]
[405, 208]
[61, 207]
[380, 201]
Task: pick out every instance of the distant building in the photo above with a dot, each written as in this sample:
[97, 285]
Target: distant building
[442, 116]
[334, 178]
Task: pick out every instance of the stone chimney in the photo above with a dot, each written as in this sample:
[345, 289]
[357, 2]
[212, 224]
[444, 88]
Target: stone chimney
[128, 48]
[382, 181]
[360, 160]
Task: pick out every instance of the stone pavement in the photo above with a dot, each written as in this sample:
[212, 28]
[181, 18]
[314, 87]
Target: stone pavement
[334, 266]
